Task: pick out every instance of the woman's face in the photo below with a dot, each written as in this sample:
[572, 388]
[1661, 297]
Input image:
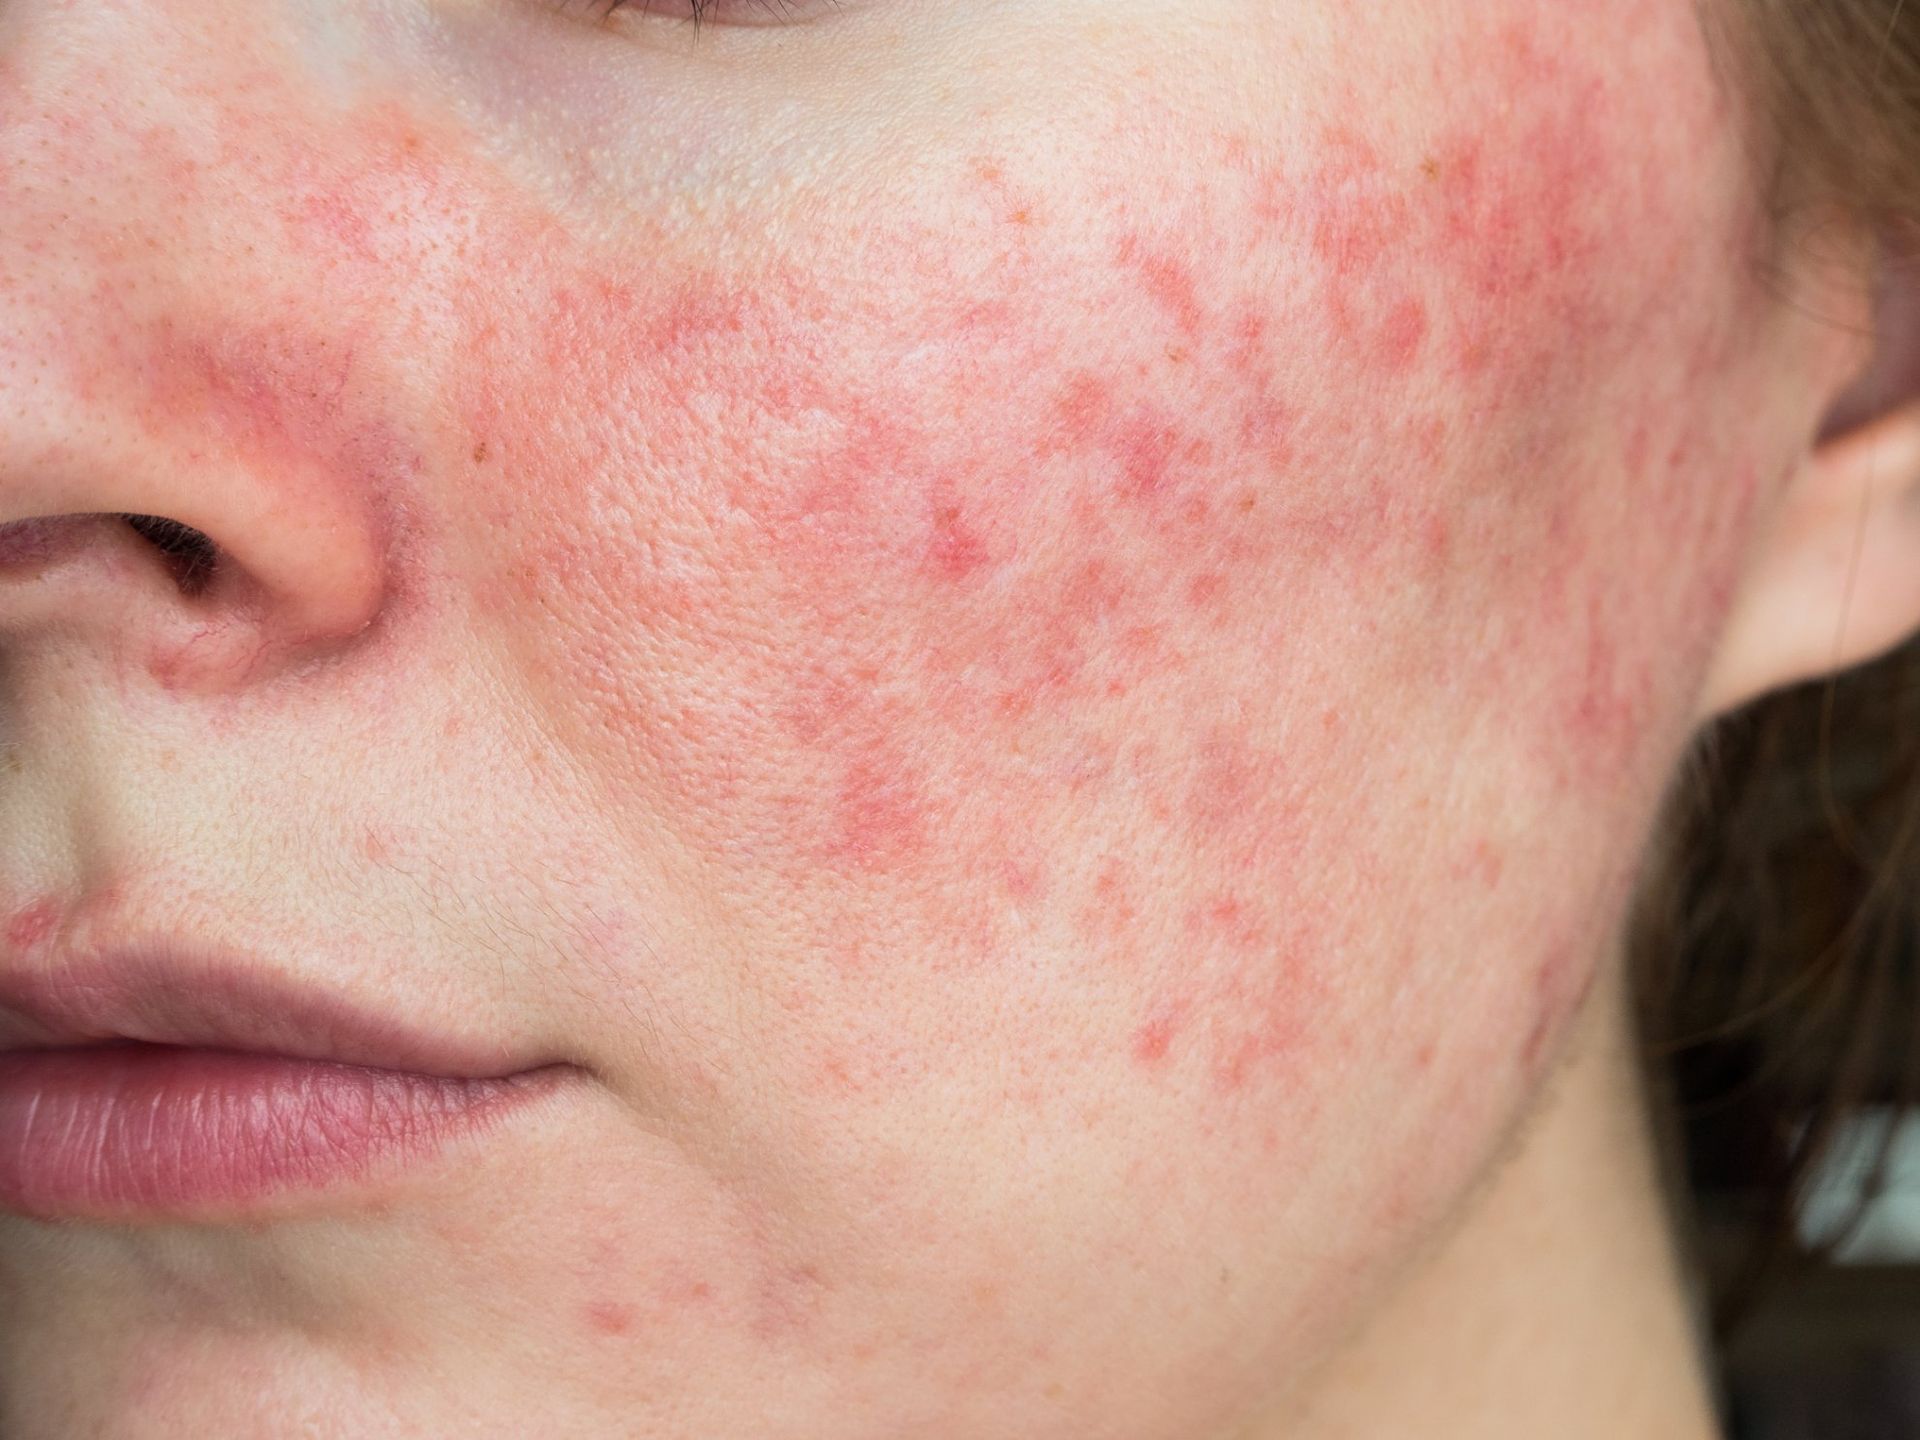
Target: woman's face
[1039, 636]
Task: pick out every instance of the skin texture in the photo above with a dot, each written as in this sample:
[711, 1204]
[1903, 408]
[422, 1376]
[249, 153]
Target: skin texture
[1042, 637]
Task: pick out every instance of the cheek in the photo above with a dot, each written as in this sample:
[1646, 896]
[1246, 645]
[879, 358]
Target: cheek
[1123, 663]
[941, 587]
[1059, 566]
[1137, 647]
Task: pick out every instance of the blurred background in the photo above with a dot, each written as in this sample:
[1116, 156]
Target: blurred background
[1778, 952]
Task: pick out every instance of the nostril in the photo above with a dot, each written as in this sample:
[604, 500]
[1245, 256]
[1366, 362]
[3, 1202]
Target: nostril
[188, 552]
[31, 541]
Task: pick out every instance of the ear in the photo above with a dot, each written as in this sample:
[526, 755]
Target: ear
[1835, 579]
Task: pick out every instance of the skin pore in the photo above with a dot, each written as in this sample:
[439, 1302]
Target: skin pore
[1042, 637]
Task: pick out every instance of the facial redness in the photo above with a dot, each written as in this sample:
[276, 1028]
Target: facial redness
[1138, 655]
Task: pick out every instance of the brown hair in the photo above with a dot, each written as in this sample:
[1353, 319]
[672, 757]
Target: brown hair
[1835, 88]
[1775, 937]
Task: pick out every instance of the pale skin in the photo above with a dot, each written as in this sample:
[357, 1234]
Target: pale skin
[1041, 637]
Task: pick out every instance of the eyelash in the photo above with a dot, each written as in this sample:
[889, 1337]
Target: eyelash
[698, 11]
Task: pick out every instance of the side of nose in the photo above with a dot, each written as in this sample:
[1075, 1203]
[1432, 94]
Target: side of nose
[158, 360]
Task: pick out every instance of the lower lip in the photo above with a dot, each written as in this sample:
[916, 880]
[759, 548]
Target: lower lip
[122, 1131]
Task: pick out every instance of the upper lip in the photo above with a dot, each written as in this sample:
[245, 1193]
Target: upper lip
[179, 995]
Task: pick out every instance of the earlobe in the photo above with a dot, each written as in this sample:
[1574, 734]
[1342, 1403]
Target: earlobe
[1835, 580]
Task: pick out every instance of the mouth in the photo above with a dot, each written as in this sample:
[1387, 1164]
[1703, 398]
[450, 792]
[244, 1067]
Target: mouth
[163, 1084]
[174, 996]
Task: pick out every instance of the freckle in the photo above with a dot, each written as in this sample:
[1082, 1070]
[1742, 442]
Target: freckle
[989, 1296]
[31, 924]
[608, 1318]
[480, 452]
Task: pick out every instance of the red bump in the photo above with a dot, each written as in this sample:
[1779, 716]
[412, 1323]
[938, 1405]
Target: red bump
[1150, 1041]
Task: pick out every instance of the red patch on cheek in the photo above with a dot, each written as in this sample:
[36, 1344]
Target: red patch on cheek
[1149, 452]
[1246, 974]
[1612, 698]
[608, 1317]
[341, 224]
[884, 805]
[1024, 879]
[1145, 446]
[956, 550]
[1402, 335]
[1239, 803]
[1151, 1040]
[31, 924]
[1237, 1021]
[1168, 280]
[882, 811]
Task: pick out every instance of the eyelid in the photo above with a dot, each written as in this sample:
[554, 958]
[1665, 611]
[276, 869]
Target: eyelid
[698, 13]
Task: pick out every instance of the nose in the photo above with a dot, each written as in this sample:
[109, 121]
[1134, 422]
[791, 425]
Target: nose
[193, 480]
